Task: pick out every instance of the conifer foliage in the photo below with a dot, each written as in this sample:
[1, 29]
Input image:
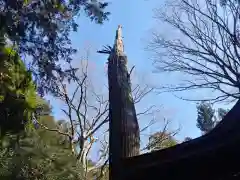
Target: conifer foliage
[40, 29]
[39, 154]
[17, 92]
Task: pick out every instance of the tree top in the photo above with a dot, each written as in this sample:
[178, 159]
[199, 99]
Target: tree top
[118, 45]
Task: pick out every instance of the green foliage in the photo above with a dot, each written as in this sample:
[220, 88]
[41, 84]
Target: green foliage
[160, 140]
[40, 29]
[41, 155]
[207, 118]
[101, 173]
[43, 107]
[17, 92]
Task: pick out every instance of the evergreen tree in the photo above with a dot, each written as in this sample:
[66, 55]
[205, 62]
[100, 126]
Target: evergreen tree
[40, 29]
[40, 154]
[205, 117]
[43, 107]
[17, 92]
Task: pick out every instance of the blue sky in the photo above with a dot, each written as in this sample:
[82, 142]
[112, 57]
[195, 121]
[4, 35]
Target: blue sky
[136, 17]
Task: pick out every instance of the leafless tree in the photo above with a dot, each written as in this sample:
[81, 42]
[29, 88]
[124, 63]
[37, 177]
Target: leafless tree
[86, 111]
[206, 49]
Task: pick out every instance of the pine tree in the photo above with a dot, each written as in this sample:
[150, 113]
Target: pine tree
[205, 117]
[17, 92]
[41, 155]
[41, 29]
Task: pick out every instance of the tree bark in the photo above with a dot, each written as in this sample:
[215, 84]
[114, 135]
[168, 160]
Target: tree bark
[124, 128]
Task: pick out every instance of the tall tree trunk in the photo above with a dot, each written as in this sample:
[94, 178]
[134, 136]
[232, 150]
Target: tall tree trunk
[124, 129]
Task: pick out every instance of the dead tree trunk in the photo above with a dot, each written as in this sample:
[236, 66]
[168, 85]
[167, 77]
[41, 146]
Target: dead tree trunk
[124, 128]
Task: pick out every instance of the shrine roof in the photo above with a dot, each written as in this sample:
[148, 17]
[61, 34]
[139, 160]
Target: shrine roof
[204, 157]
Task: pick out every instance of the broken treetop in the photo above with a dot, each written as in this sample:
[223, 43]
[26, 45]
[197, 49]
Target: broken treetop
[118, 44]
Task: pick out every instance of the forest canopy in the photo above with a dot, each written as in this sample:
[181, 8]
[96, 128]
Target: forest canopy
[17, 92]
[40, 30]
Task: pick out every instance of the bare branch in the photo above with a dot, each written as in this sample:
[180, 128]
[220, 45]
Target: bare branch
[146, 112]
[207, 49]
[131, 70]
[139, 92]
[162, 135]
[86, 110]
[53, 130]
